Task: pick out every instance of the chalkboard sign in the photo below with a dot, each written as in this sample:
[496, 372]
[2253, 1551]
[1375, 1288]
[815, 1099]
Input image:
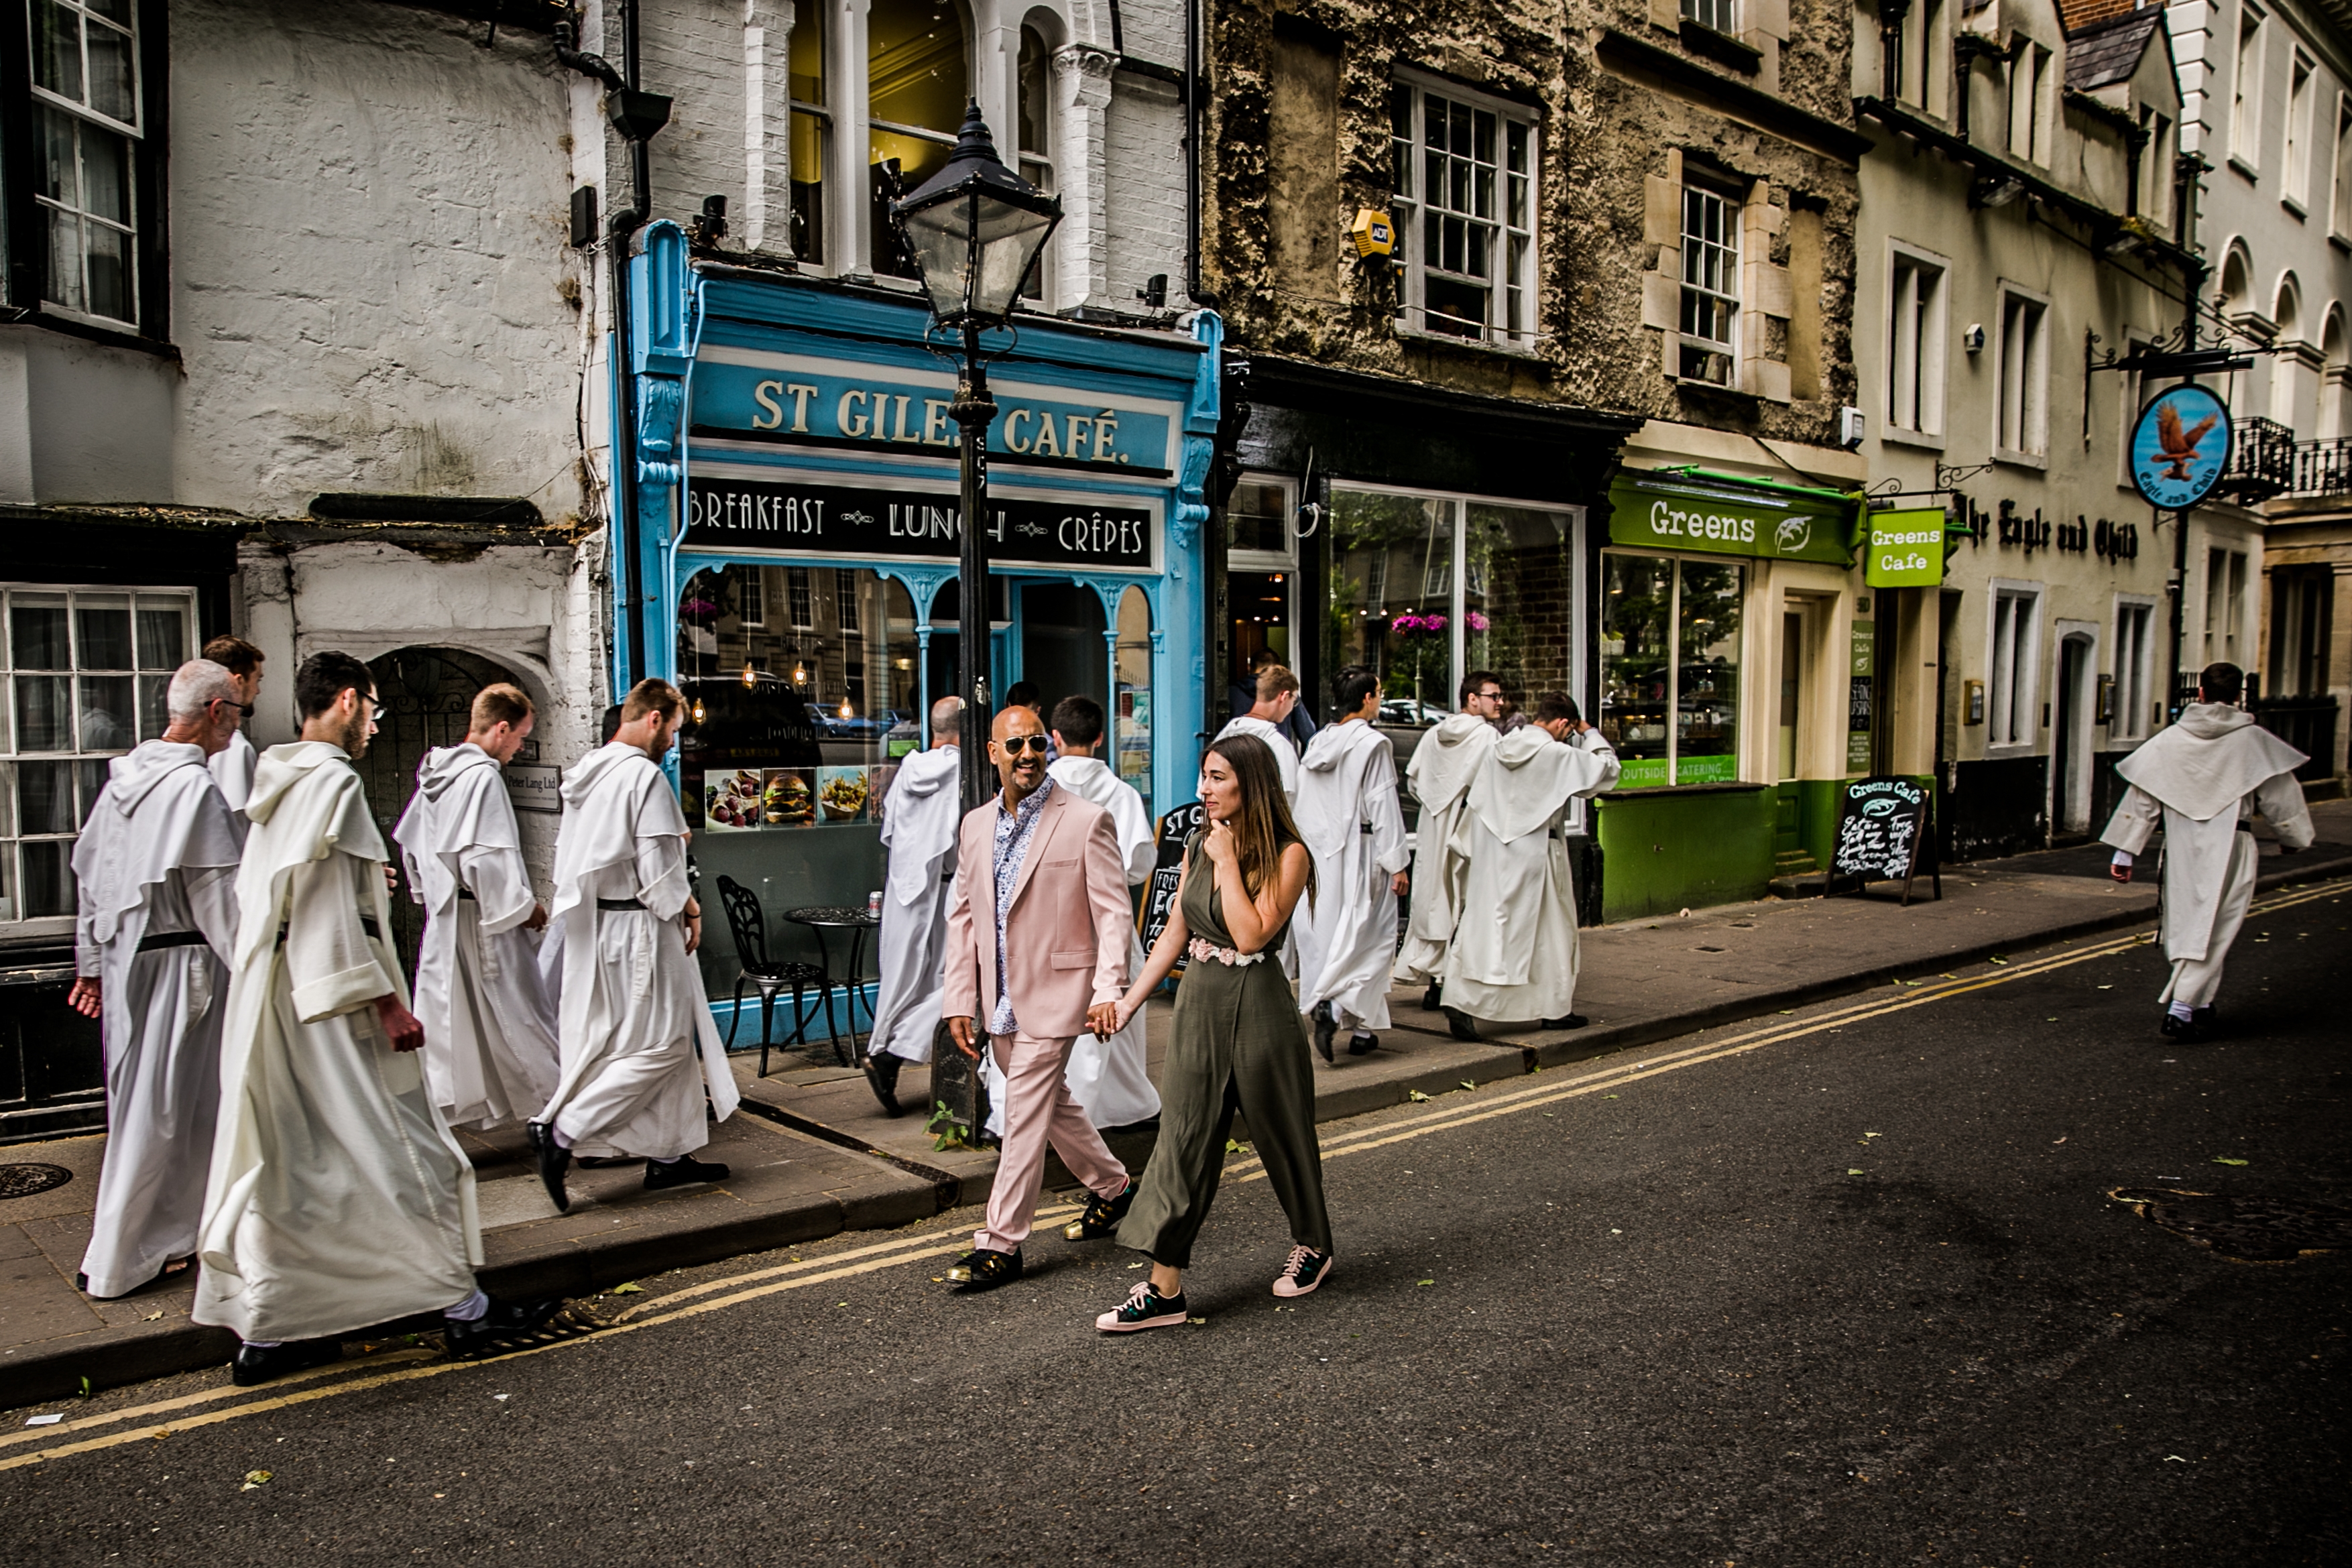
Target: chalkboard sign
[1176, 829]
[1881, 833]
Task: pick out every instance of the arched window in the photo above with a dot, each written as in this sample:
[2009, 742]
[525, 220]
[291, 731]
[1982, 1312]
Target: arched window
[812, 132]
[1036, 117]
[2333, 412]
[2287, 402]
[919, 78]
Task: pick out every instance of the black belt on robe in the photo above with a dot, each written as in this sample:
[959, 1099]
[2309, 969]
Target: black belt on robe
[154, 941]
[2245, 824]
[618, 904]
[367, 924]
[462, 893]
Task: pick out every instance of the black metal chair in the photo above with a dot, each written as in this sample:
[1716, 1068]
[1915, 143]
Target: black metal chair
[770, 977]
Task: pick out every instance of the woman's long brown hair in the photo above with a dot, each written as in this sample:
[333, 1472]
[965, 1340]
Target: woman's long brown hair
[1264, 823]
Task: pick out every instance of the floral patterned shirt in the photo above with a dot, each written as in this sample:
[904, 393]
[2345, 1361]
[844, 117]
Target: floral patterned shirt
[1013, 831]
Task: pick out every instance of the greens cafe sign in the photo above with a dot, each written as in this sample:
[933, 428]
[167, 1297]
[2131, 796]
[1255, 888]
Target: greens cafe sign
[1907, 549]
[1673, 511]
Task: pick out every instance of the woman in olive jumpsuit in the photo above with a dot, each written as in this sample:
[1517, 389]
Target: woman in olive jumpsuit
[1237, 1042]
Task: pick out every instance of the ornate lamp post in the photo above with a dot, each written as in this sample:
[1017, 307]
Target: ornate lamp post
[976, 229]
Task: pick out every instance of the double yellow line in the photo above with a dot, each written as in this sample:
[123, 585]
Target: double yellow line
[187, 1412]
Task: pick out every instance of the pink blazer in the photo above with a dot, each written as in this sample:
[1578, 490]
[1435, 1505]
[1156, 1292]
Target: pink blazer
[1067, 931]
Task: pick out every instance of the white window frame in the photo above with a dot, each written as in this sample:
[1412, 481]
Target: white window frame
[1283, 560]
[86, 120]
[1925, 60]
[848, 615]
[86, 777]
[2032, 378]
[2134, 641]
[1918, 317]
[1514, 248]
[2339, 203]
[2013, 615]
[2246, 88]
[752, 598]
[2294, 175]
[800, 590]
[2031, 79]
[2226, 566]
[1037, 166]
[1699, 296]
[1723, 16]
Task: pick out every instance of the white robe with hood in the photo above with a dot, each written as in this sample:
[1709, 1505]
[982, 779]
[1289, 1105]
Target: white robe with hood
[157, 854]
[1515, 951]
[489, 1030]
[919, 819]
[1439, 774]
[640, 1049]
[1277, 740]
[232, 769]
[2199, 778]
[339, 1199]
[1108, 1078]
[1348, 815]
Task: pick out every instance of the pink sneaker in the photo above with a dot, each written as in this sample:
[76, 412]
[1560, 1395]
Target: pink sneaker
[1305, 1269]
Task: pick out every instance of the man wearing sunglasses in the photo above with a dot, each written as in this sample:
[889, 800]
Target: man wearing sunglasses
[232, 766]
[1048, 962]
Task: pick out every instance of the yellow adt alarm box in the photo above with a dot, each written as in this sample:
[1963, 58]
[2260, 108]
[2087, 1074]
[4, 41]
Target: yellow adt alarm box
[1373, 232]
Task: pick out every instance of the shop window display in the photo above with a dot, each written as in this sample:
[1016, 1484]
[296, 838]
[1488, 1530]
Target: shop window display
[1670, 668]
[1132, 731]
[1391, 601]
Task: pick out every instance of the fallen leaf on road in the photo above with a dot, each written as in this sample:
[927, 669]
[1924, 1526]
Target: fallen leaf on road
[1998, 960]
[1416, 1096]
[2051, 1019]
[2174, 1459]
[1608, 1097]
[2225, 1160]
[1851, 1170]
[2055, 1142]
[1425, 1281]
[1467, 1084]
[45, 1420]
[2106, 987]
[1947, 976]
[501, 1396]
[254, 1479]
[630, 1288]
[1196, 1320]
[152, 1317]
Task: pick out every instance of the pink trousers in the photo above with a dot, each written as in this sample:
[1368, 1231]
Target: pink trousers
[1039, 1113]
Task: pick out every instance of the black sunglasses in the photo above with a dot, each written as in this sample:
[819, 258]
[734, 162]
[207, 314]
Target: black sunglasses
[1040, 744]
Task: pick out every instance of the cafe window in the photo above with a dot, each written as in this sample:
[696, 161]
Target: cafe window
[1498, 591]
[918, 79]
[1670, 668]
[88, 674]
[1132, 652]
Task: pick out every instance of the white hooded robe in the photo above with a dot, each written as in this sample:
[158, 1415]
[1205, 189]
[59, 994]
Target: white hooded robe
[1514, 952]
[920, 816]
[232, 769]
[1439, 774]
[1348, 815]
[2200, 777]
[490, 1030]
[157, 856]
[640, 1049]
[338, 1199]
[1277, 740]
[1108, 1078]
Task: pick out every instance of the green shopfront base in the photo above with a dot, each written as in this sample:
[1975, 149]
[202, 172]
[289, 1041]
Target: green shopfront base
[1664, 850]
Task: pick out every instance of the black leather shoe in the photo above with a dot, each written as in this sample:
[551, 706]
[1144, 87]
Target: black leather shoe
[259, 1363]
[507, 1325]
[2188, 1031]
[1363, 1043]
[1573, 1020]
[882, 1076]
[1431, 998]
[554, 1159]
[1102, 1216]
[1326, 1025]
[1458, 1025]
[684, 1171]
[983, 1269]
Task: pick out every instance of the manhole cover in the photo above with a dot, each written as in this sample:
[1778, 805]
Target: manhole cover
[2245, 1229]
[25, 1180]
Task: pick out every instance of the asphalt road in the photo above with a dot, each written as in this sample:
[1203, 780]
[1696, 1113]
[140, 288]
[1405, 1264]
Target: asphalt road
[1844, 1286]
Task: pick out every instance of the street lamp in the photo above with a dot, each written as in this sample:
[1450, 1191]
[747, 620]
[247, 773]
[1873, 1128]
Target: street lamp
[975, 228]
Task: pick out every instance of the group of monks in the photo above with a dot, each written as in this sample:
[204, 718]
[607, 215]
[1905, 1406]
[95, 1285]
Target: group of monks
[280, 1107]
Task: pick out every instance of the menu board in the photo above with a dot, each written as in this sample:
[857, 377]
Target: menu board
[1882, 825]
[1176, 829]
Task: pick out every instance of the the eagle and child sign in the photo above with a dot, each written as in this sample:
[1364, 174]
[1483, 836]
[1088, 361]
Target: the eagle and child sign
[2180, 446]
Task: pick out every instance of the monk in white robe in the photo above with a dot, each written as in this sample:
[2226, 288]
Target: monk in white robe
[920, 817]
[338, 1199]
[1438, 776]
[1514, 952]
[156, 871]
[640, 1050]
[232, 766]
[1268, 719]
[1105, 1075]
[1348, 814]
[2204, 778]
[490, 1030]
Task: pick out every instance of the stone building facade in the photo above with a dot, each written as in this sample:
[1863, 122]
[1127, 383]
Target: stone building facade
[1624, 263]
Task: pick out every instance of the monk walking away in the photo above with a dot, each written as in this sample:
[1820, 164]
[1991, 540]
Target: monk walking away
[640, 1050]
[156, 872]
[1439, 776]
[1348, 814]
[490, 1030]
[918, 835]
[338, 1199]
[2205, 778]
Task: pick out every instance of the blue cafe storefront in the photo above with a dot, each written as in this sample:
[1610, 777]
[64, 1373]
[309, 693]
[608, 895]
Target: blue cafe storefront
[797, 532]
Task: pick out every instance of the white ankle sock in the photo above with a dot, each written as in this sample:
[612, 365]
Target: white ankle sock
[2182, 1011]
[468, 1311]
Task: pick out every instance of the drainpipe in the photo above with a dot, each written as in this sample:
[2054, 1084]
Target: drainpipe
[2186, 168]
[1192, 153]
[637, 116]
[1890, 50]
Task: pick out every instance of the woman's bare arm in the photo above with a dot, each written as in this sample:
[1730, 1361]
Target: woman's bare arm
[1254, 921]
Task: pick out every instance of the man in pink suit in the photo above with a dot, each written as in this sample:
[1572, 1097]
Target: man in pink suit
[1038, 929]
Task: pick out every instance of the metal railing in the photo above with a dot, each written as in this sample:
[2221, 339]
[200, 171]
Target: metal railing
[2262, 459]
[2323, 468]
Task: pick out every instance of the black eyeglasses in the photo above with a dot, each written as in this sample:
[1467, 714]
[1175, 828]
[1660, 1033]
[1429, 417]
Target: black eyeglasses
[1040, 744]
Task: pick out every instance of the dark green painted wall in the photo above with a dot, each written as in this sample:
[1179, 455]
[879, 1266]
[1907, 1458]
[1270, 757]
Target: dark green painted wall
[1666, 852]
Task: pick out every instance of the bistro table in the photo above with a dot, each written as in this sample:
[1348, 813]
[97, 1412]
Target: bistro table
[821, 918]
